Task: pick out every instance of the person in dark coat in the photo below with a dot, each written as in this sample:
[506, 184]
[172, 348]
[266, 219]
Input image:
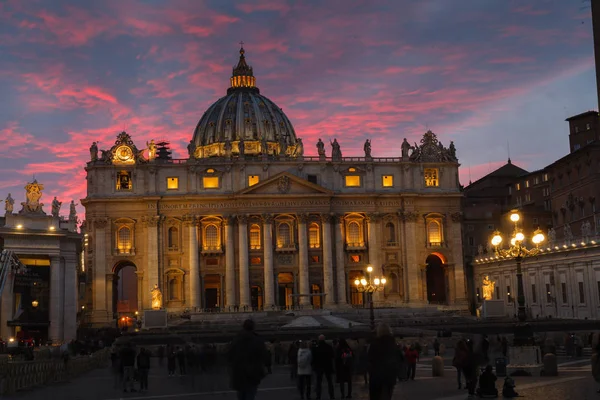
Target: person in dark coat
[323, 365]
[171, 361]
[293, 359]
[487, 383]
[402, 364]
[181, 361]
[143, 364]
[470, 368]
[247, 360]
[460, 360]
[485, 348]
[362, 363]
[382, 364]
[344, 366]
[128, 362]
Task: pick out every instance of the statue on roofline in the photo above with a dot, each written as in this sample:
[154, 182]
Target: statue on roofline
[55, 207]
[9, 204]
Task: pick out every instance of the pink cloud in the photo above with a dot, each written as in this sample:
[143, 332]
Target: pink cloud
[512, 60]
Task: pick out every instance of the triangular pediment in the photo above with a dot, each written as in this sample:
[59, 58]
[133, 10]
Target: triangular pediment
[285, 183]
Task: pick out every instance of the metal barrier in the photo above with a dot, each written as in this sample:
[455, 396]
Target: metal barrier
[21, 375]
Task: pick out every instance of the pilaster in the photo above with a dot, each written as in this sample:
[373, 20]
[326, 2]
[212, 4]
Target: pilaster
[230, 300]
[340, 260]
[328, 277]
[243, 253]
[194, 301]
[303, 260]
[269, 289]
[55, 332]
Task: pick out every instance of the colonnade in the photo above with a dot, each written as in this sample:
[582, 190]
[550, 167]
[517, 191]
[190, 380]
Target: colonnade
[331, 239]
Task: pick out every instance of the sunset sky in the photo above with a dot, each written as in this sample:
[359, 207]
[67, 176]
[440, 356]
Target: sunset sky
[480, 73]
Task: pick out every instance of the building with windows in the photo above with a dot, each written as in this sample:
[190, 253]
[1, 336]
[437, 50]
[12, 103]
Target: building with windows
[40, 266]
[248, 221]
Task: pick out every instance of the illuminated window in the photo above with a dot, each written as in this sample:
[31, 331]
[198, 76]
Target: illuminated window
[210, 171]
[313, 236]
[124, 181]
[284, 239]
[172, 183]
[255, 261]
[210, 182]
[545, 177]
[355, 258]
[431, 177]
[518, 186]
[124, 240]
[351, 169]
[354, 235]
[173, 238]
[434, 232]
[211, 237]
[526, 184]
[254, 237]
[315, 259]
[253, 180]
[352, 181]
[390, 234]
[387, 180]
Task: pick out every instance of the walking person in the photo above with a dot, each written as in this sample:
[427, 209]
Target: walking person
[412, 356]
[596, 364]
[143, 364]
[504, 344]
[485, 348]
[402, 364]
[247, 360]
[304, 358]
[344, 366]
[470, 367]
[362, 362]
[323, 365]
[461, 355]
[436, 347]
[128, 361]
[181, 361]
[171, 361]
[115, 368]
[293, 359]
[382, 364]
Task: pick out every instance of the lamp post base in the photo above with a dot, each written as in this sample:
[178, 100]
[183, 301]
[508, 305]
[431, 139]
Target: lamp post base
[523, 335]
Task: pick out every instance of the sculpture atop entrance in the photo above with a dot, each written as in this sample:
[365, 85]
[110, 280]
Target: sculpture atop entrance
[156, 298]
[9, 203]
[488, 288]
[33, 193]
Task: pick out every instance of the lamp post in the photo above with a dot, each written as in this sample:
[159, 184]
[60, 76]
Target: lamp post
[518, 251]
[370, 285]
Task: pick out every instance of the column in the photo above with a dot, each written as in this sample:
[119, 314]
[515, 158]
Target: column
[56, 279]
[100, 311]
[194, 264]
[140, 291]
[110, 284]
[152, 255]
[460, 290]
[244, 272]
[327, 261]
[229, 264]
[413, 272]
[375, 251]
[340, 260]
[269, 289]
[202, 294]
[7, 306]
[70, 298]
[303, 260]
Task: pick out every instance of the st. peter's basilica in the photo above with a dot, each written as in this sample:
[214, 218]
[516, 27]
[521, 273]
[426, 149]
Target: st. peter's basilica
[249, 221]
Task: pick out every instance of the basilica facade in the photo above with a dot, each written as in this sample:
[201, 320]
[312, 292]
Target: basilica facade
[249, 221]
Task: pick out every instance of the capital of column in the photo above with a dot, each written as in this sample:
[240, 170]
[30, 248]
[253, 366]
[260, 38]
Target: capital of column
[152, 220]
[189, 220]
[302, 218]
[408, 216]
[373, 217]
[327, 218]
[242, 219]
[267, 218]
[337, 218]
[100, 223]
[230, 219]
[110, 277]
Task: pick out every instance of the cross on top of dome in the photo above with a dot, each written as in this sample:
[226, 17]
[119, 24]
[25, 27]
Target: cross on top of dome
[242, 76]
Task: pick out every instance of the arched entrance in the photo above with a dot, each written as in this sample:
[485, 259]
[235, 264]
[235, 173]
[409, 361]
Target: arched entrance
[436, 280]
[125, 288]
[285, 288]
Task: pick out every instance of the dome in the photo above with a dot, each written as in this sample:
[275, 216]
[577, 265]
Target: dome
[244, 115]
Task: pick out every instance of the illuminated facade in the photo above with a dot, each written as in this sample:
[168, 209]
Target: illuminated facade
[248, 221]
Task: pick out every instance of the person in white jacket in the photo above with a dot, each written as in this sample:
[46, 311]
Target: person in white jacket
[304, 369]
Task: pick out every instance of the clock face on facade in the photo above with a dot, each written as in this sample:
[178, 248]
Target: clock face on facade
[124, 154]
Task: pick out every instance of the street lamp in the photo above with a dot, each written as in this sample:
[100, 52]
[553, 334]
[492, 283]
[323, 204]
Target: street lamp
[370, 285]
[517, 250]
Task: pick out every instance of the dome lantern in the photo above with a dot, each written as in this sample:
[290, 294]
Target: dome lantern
[242, 76]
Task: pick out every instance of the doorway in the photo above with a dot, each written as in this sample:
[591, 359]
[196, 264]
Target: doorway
[212, 291]
[256, 298]
[285, 288]
[436, 280]
[125, 288]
